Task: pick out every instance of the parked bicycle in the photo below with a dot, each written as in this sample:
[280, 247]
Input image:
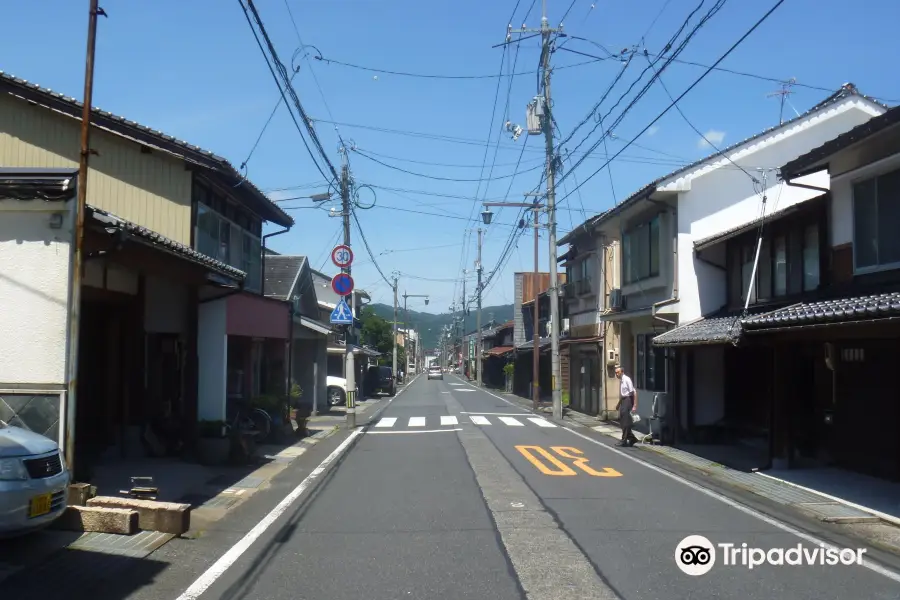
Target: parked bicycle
[251, 421]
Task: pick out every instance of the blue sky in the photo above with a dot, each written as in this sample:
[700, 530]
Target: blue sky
[192, 68]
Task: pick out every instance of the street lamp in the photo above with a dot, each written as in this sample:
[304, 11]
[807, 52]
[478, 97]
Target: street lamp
[535, 206]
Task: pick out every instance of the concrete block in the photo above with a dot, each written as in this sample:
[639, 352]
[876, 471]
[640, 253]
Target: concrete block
[79, 494]
[164, 517]
[98, 519]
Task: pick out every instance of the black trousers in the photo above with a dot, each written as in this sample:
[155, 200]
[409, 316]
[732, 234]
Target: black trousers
[626, 406]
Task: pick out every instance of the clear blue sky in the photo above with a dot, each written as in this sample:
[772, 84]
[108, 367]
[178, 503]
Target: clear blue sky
[192, 68]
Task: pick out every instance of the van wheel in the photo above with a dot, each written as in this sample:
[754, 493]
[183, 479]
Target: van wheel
[336, 396]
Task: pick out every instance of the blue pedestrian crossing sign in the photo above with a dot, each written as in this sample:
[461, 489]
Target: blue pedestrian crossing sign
[341, 315]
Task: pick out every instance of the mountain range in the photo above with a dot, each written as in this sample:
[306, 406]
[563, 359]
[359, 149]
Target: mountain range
[430, 325]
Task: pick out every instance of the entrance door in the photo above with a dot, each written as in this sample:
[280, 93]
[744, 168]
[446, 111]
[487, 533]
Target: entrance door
[585, 400]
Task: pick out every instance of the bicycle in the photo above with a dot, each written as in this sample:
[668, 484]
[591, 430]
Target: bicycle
[251, 421]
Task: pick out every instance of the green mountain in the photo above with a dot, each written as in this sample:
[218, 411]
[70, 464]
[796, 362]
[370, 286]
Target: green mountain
[430, 324]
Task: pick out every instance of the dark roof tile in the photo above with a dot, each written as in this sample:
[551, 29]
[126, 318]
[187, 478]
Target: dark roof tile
[838, 310]
[281, 273]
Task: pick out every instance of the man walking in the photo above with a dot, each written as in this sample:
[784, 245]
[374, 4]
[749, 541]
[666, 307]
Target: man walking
[627, 405]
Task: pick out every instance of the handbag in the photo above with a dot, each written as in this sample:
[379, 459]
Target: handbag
[635, 418]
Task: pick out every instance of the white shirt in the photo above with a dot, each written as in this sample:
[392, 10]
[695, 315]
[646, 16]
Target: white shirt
[627, 388]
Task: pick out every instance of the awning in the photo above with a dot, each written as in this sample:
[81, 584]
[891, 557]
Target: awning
[313, 325]
[588, 340]
[527, 346]
[823, 312]
[499, 350]
[703, 332]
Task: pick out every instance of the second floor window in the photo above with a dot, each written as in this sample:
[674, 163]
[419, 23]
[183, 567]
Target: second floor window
[225, 241]
[640, 252]
[876, 221]
[789, 263]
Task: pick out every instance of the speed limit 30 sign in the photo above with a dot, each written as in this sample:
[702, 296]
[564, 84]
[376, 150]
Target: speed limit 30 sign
[342, 256]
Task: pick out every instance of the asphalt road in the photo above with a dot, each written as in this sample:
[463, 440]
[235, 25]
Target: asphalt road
[451, 492]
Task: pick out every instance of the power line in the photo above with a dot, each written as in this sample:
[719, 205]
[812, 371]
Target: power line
[685, 92]
[288, 86]
[437, 178]
[369, 249]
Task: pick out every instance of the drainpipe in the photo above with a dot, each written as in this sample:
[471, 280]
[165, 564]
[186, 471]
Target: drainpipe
[262, 275]
[815, 188]
[289, 359]
[674, 297]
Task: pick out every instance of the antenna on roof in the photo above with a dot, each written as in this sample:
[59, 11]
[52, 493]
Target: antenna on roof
[783, 93]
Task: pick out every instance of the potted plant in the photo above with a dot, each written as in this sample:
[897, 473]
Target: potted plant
[508, 370]
[213, 445]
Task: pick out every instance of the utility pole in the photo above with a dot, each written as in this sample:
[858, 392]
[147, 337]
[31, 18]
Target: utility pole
[478, 318]
[76, 271]
[553, 292]
[394, 358]
[462, 337]
[350, 337]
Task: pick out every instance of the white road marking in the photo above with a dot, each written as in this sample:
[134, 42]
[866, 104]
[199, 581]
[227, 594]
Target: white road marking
[518, 414]
[480, 420]
[892, 575]
[417, 421]
[225, 562]
[456, 384]
[541, 422]
[228, 559]
[511, 421]
[387, 422]
[413, 431]
[462, 390]
[449, 420]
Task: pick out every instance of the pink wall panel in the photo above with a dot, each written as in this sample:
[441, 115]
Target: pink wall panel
[254, 316]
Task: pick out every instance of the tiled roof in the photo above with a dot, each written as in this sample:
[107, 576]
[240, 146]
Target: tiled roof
[544, 342]
[51, 185]
[281, 274]
[164, 243]
[847, 90]
[875, 125]
[499, 350]
[839, 310]
[143, 134]
[710, 330]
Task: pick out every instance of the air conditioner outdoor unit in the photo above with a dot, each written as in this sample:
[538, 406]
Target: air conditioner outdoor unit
[616, 301]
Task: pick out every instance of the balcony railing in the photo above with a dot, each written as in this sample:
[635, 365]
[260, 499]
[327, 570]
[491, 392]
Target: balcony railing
[583, 287]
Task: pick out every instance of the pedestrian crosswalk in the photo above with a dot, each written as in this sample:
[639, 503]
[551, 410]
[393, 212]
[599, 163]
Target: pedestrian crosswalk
[453, 420]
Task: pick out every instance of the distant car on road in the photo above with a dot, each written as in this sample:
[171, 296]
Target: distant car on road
[435, 372]
[33, 481]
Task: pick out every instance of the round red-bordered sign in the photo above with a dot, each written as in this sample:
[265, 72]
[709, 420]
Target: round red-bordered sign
[342, 256]
[342, 284]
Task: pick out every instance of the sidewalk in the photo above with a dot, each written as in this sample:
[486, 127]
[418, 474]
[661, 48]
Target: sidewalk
[879, 528]
[213, 493]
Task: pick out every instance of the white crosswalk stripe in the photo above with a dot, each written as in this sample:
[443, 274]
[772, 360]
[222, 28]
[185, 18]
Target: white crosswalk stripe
[487, 419]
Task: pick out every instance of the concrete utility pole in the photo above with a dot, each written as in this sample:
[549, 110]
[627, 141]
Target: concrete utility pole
[407, 330]
[394, 358]
[478, 317]
[76, 271]
[350, 337]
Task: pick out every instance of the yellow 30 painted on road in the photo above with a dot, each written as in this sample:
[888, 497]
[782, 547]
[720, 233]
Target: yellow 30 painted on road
[548, 464]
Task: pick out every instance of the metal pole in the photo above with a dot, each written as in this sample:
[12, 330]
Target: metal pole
[394, 358]
[76, 272]
[405, 337]
[478, 318]
[552, 292]
[536, 366]
[350, 362]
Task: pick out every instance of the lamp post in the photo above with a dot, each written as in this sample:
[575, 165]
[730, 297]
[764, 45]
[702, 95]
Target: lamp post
[535, 206]
[406, 334]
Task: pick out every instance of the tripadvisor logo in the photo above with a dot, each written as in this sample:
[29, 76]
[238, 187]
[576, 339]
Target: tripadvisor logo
[697, 555]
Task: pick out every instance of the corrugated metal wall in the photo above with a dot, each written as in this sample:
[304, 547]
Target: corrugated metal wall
[150, 189]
